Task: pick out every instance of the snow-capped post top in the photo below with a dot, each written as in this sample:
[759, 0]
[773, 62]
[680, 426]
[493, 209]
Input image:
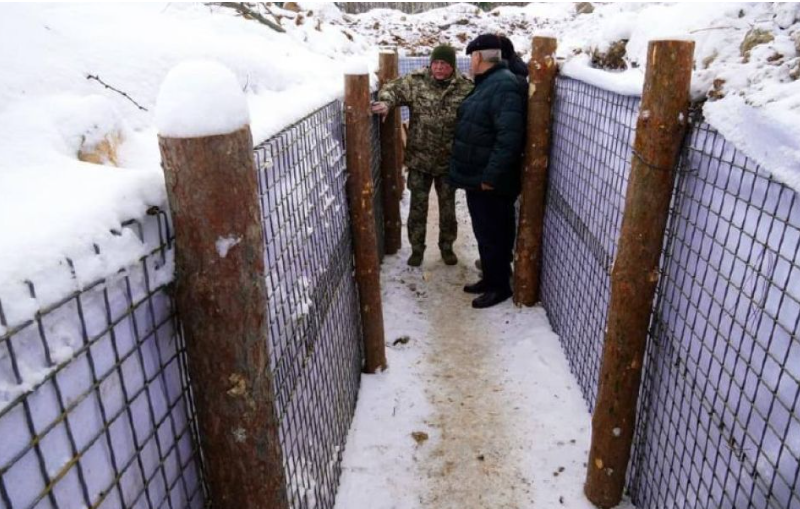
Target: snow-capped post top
[200, 98]
[356, 67]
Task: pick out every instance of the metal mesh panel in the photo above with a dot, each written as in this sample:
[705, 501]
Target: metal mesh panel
[315, 329]
[592, 142]
[720, 424]
[101, 413]
[110, 422]
[408, 64]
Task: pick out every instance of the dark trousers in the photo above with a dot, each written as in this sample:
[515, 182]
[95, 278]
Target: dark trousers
[494, 226]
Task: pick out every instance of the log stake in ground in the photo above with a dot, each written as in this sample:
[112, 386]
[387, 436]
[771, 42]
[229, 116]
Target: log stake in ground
[528, 255]
[659, 132]
[221, 300]
[360, 189]
[391, 164]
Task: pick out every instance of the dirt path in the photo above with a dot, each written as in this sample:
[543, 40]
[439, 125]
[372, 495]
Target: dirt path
[473, 462]
[477, 410]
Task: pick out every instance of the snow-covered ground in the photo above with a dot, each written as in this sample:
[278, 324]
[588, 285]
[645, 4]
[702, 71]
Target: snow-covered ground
[478, 408]
[483, 397]
[78, 158]
[747, 56]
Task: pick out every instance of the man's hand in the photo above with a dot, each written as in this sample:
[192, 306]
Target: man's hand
[380, 108]
[486, 187]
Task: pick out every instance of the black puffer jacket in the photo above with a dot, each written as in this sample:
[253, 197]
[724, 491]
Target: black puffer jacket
[489, 134]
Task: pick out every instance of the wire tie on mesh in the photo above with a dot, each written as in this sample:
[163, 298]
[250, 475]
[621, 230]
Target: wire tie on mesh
[641, 159]
[696, 112]
[31, 288]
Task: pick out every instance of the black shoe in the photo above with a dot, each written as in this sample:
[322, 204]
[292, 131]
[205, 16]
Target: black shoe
[480, 287]
[490, 299]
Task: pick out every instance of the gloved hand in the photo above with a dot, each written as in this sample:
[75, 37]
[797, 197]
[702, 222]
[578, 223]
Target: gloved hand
[380, 108]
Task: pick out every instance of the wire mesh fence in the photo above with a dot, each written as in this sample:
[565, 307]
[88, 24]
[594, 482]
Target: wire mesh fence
[592, 142]
[407, 65]
[95, 405]
[100, 411]
[719, 422]
[315, 328]
[407, 7]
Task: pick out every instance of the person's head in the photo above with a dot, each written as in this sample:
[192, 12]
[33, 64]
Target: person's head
[509, 55]
[506, 48]
[443, 62]
[485, 53]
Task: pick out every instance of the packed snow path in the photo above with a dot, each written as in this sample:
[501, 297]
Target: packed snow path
[478, 408]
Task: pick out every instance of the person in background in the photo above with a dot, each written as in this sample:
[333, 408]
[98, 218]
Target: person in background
[518, 67]
[433, 95]
[487, 150]
[514, 62]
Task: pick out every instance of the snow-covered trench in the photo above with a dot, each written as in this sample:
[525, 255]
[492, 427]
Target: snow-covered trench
[478, 408]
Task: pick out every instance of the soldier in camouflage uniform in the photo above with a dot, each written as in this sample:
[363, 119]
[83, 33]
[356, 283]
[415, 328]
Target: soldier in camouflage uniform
[433, 95]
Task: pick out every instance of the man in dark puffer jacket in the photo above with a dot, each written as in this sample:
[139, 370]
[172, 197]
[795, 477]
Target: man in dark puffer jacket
[485, 161]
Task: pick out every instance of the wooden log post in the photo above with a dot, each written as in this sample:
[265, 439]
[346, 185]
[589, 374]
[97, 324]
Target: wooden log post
[401, 157]
[391, 164]
[528, 255]
[659, 132]
[358, 118]
[221, 300]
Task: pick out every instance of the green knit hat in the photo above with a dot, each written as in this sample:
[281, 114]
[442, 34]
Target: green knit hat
[446, 53]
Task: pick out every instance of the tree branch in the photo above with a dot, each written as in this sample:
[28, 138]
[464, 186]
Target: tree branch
[97, 79]
[248, 13]
[712, 28]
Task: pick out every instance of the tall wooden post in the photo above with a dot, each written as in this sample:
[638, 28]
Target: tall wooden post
[391, 165]
[221, 299]
[401, 158]
[528, 255]
[358, 118]
[659, 133]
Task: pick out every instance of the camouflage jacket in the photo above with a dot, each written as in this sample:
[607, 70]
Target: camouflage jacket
[433, 117]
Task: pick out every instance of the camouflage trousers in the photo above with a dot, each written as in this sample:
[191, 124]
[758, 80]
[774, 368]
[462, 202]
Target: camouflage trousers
[419, 184]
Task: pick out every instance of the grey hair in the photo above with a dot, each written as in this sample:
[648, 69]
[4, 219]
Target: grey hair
[490, 55]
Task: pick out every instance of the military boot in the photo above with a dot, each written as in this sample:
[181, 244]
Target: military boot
[448, 256]
[415, 260]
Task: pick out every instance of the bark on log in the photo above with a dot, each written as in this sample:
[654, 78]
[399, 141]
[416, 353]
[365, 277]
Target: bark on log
[659, 133]
[391, 165]
[221, 300]
[528, 255]
[358, 118]
[401, 157]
